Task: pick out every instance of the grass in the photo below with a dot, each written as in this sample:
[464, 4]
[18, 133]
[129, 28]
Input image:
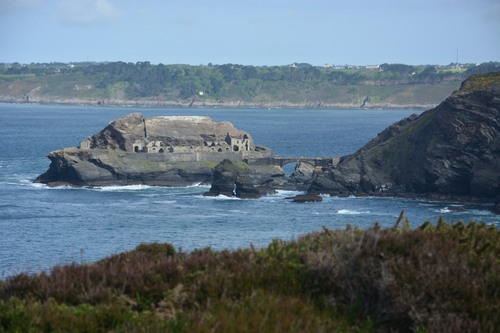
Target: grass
[434, 278]
[11, 78]
[480, 82]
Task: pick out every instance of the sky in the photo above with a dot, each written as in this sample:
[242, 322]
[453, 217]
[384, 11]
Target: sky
[251, 32]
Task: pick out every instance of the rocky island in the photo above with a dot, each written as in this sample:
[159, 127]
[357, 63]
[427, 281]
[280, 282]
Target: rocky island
[449, 152]
[165, 151]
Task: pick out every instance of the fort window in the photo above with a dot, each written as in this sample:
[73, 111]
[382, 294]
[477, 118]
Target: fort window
[236, 148]
[136, 149]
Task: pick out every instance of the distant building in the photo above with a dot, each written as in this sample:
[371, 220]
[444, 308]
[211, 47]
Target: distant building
[85, 144]
[242, 143]
[155, 147]
[231, 143]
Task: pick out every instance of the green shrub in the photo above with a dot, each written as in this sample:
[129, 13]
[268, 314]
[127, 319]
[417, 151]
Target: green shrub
[442, 278]
[435, 278]
[156, 248]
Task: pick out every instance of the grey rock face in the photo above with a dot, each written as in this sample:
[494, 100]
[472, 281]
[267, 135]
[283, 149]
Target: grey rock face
[309, 197]
[238, 179]
[302, 175]
[453, 149]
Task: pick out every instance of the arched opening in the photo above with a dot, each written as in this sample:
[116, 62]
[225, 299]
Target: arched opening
[162, 150]
[289, 168]
[136, 149]
[236, 148]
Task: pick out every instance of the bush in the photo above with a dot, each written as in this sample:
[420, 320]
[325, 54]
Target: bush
[441, 278]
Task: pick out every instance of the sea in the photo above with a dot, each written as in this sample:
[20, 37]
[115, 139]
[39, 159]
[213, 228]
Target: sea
[42, 227]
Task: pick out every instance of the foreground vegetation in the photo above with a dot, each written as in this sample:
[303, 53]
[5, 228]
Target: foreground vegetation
[442, 278]
[234, 85]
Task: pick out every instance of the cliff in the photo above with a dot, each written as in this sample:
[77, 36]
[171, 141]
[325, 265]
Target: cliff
[452, 150]
[167, 151]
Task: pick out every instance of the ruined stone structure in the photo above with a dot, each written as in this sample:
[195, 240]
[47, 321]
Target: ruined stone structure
[173, 150]
[241, 143]
[172, 134]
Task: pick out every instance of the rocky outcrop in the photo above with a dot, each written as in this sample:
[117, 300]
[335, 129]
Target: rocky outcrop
[238, 179]
[451, 150]
[308, 197]
[172, 131]
[101, 167]
[301, 175]
[167, 151]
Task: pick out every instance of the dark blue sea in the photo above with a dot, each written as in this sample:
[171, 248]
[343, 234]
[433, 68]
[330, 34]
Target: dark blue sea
[41, 227]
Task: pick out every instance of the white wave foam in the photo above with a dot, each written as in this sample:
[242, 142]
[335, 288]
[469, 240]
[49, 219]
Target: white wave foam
[39, 185]
[287, 193]
[220, 197]
[451, 209]
[114, 188]
[351, 212]
[162, 202]
[46, 187]
[336, 197]
[199, 185]
[324, 213]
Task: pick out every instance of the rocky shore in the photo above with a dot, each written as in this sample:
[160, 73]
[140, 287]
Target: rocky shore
[198, 103]
[450, 152]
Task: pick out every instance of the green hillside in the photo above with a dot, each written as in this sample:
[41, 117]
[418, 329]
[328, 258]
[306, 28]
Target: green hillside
[297, 85]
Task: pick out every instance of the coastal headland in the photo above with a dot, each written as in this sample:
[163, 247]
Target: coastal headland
[450, 151]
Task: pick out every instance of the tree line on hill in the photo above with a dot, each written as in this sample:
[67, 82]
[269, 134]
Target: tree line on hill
[143, 79]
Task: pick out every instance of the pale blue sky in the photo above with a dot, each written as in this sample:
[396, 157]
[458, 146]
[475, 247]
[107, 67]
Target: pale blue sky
[252, 32]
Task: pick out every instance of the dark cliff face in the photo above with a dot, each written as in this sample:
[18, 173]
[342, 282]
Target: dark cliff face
[453, 149]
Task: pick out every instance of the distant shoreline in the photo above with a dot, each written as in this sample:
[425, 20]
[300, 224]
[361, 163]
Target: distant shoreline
[198, 104]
